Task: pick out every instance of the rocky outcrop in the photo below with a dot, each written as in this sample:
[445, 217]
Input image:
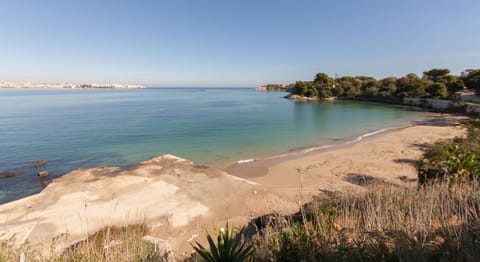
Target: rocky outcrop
[305, 98]
[175, 198]
[38, 163]
[301, 98]
[42, 174]
[7, 174]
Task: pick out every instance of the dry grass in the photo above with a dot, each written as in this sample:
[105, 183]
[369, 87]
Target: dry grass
[108, 244]
[433, 223]
[386, 223]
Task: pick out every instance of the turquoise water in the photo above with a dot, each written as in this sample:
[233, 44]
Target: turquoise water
[73, 128]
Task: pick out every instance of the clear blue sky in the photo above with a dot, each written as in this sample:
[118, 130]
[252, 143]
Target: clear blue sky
[233, 43]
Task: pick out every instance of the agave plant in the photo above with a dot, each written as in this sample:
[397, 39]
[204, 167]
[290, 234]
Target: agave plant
[227, 248]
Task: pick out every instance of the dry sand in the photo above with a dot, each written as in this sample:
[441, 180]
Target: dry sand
[387, 157]
[179, 200]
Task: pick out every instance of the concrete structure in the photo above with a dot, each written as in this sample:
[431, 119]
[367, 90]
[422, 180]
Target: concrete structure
[465, 96]
[441, 105]
[413, 101]
[472, 108]
[438, 104]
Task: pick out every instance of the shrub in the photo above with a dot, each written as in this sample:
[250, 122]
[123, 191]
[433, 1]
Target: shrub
[455, 160]
[452, 164]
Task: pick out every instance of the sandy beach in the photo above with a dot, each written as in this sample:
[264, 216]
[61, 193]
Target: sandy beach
[387, 157]
[178, 200]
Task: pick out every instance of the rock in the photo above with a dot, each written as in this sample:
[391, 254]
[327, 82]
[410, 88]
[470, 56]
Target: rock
[163, 247]
[37, 164]
[333, 98]
[45, 183]
[7, 174]
[42, 174]
[300, 98]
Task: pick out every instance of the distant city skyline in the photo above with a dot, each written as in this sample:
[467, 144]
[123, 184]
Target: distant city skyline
[232, 43]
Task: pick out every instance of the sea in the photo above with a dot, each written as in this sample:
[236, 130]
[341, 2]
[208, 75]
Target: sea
[81, 128]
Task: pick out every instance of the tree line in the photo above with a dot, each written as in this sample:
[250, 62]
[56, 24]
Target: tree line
[435, 83]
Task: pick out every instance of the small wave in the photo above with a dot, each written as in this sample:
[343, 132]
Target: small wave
[245, 161]
[308, 150]
[361, 137]
[321, 147]
[347, 142]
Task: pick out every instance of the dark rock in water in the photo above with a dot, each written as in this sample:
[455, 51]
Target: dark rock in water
[37, 164]
[42, 174]
[7, 174]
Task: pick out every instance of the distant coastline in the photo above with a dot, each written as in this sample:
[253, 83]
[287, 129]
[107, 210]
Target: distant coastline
[66, 85]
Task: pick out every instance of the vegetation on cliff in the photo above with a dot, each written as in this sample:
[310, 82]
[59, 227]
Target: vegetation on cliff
[435, 83]
[275, 87]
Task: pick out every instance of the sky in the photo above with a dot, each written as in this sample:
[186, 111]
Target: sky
[232, 43]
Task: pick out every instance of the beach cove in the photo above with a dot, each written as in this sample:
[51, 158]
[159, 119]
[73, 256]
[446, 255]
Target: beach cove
[80, 128]
[178, 199]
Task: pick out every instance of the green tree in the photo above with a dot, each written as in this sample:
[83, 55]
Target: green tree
[325, 92]
[471, 78]
[437, 90]
[338, 91]
[311, 92]
[389, 85]
[455, 84]
[371, 87]
[300, 88]
[436, 74]
[410, 86]
[322, 80]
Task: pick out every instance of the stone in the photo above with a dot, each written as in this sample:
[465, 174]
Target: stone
[37, 164]
[45, 183]
[42, 174]
[7, 174]
[163, 247]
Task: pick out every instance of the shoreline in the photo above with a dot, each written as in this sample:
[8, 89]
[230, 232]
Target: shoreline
[258, 170]
[179, 199]
[257, 167]
[343, 143]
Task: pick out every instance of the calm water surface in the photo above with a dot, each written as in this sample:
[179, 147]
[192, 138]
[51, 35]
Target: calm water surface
[72, 128]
